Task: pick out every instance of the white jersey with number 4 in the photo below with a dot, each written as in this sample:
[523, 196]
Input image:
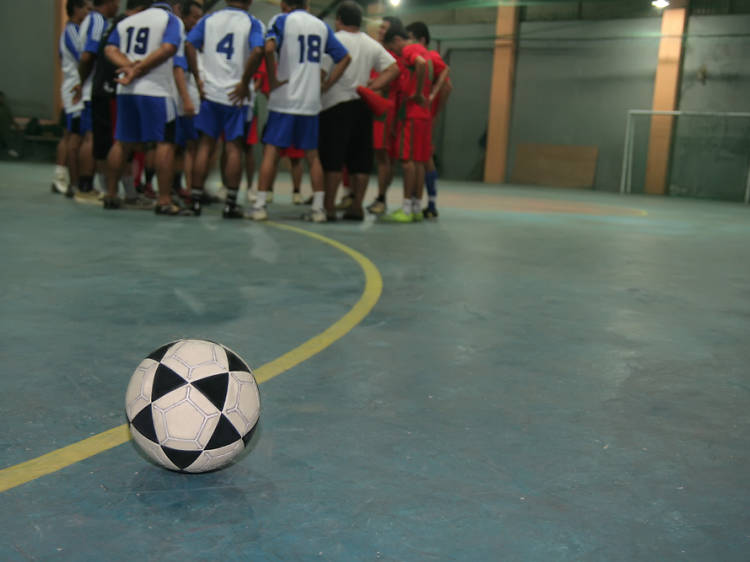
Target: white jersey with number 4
[226, 39]
[140, 35]
[301, 40]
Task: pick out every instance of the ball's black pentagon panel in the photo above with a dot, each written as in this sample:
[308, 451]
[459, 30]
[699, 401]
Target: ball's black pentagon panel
[159, 354]
[181, 459]
[144, 423]
[215, 389]
[224, 434]
[165, 380]
[235, 363]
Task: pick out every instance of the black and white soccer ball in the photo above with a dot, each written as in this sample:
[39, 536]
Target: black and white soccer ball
[192, 405]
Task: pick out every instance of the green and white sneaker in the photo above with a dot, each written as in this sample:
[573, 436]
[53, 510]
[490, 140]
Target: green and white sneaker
[258, 214]
[398, 216]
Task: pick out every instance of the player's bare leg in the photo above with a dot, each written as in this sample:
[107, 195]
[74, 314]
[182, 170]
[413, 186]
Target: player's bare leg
[116, 162]
[73, 159]
[359, 187]
[430, 181]
[86, 165]
[200, 170]
[404, 214]
[317, 179]
[333, 180]
[385, 177]
[164, 162]
[60, 179]
[296, 170]
[267, 174]
[418, 193]
[233, 152]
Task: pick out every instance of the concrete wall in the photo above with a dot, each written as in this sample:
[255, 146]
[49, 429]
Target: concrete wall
[575, 89]
[711, 156]
[28, 42]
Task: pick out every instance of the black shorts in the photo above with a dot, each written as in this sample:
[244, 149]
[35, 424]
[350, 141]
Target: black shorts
[103, 116]
[346, 138]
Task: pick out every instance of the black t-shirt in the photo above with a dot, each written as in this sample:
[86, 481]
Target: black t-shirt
[105, 72]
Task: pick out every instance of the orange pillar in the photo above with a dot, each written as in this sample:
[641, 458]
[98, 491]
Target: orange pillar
[501, 96]
[60, 18]
[666, 90]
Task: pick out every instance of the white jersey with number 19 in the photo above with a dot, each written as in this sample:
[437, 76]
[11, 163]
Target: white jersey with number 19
[226, 39]
[301, 39]
[140, 35]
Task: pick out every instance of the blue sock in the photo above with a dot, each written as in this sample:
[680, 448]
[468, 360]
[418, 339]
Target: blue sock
[430, 181]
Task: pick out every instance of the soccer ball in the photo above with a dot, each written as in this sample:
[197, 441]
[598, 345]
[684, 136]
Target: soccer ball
[192, 405]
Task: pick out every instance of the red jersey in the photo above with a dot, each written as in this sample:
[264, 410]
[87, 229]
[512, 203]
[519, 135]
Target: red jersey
[409, 79]
[262, 75]
[391, 91]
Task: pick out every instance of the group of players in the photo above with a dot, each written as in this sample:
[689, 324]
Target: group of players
[166, 79]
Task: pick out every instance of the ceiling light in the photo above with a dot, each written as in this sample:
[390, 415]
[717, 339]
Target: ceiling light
[395, 3]
[660, 3]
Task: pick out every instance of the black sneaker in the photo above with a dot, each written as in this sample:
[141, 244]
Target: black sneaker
[111, 203]
[173, 210]
[430, 213]
[235, 212]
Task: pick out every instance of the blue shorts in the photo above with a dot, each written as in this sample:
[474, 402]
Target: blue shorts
[87, 121]
[145, 119]
[185, 130]
[217, 118]
[73, 122]
[284, 130]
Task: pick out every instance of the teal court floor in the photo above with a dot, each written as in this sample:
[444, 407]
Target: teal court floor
[547, 375]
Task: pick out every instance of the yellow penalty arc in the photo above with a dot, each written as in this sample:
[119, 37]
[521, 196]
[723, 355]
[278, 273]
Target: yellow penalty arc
[24, 472]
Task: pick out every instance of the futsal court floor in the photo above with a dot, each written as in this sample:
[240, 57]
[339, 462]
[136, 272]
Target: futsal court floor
[541, 374]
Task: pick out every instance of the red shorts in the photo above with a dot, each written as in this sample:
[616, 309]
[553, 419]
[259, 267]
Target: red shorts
[413, 140]
[252, 134]
[382, 131]
[292, 152]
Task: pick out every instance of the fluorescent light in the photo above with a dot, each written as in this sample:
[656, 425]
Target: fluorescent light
[660, 3]
[395, 3]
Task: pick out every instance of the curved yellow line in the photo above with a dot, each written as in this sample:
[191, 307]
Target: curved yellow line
[56, 460]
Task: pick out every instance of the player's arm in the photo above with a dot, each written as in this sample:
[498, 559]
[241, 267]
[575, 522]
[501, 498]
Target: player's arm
[445, 93]
[182, 90]
[421, 74]
[141, 68]
[191, 54]
[256, 44]
[340, 56]
[336, 72]
[385, 77]
[85, 67]
[270, 56]
[439, 83]
[117, 57]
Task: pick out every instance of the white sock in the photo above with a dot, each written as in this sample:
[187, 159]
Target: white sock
[318, 197]
[406, 206]
[416, 205]
[128, 184]
[260, 202]
[61, 173]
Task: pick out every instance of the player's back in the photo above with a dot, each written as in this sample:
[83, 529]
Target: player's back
[408, 83]
[140, 35]
[301, 40]
[226, 38]
[69, 57]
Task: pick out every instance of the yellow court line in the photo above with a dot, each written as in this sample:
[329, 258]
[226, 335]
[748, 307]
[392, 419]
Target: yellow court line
[56, 460]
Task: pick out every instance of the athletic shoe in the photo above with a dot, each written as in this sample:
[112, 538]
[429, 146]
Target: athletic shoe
[316, 215]
[377, 207]
[297, 198]
[398, 216]
[345, 203]
[235, 212]
[417, 217]
[258, 214]
[139, 203]
[111, 203]
[88, 197]
[430, 213]
[252, 195]
[61, 188]
[309, 200]
[173, 210]
[269, 198]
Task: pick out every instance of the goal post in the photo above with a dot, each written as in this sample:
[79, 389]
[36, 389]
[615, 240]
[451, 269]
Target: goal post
[710, 154]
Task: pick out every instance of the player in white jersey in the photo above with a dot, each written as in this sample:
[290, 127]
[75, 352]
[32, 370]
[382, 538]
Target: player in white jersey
[301, 40]
[231, 41]
[143, 47]
[346, 121]
[69, 56]
[191, 13]
[90, 33]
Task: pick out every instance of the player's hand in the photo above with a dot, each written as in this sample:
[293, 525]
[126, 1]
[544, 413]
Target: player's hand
[201, 89]
[127, 74]
[418, 99]
[273, 81]
[77, 93]
[188, 108]
[239, 94]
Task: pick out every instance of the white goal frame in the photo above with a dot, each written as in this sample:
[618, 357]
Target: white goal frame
[626, 179]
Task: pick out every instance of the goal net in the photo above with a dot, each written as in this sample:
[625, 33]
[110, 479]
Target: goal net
[709, 156]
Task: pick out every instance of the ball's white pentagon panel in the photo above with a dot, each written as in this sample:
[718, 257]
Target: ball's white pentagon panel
[152, 450]
[216, 458]
[138, 394]
[196, 359]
